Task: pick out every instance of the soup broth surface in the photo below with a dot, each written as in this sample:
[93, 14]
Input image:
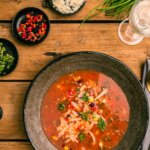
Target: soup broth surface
[85, 110]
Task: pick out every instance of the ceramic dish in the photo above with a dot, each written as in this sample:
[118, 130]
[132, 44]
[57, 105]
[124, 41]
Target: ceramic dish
[10, 55]
[31, 26]
[105, 64]
[58, 9]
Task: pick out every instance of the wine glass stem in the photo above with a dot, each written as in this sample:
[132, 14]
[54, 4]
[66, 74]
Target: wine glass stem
[130, 32]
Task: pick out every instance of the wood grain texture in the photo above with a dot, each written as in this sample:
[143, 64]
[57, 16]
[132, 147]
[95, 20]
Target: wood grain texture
[67, 38]
[15, 146]
[12, 100]
[13, 6]
[63, 38]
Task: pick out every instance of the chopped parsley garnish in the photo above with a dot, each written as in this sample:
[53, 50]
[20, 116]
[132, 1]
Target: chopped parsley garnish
[85, 97]
[6, 60]
[101, 124]
[61, 106]
[81, 136]
[84, 116]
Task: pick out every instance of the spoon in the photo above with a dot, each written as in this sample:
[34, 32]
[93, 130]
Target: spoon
[148, 81]
[146, 86]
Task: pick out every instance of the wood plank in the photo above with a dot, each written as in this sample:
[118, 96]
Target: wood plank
[13, 6]
[15, 146]
[67, 38]
[11, 101]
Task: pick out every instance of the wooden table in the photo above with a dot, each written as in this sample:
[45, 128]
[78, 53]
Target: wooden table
[99, 34]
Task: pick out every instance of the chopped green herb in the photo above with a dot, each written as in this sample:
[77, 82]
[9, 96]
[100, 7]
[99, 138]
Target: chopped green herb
[6, 60]
[101, 124]
[61, 106]
[81, 136]
[84, 116]
[1, 44]
[2, 68]
[85, 97]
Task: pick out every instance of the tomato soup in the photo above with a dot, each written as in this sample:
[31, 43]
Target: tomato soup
[85, 110]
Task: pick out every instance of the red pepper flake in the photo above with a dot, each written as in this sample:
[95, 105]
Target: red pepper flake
[33, 28]
[70, 93]
[95, 108]
[24, 35]
[67, 119]
[44, 25]
[29, 29]
[79, 127]
[35, 18]
[28, 16]
[71, 106]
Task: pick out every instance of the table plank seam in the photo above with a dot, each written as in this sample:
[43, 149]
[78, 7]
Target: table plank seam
[16, 80]
[73, 21]
[14, 140]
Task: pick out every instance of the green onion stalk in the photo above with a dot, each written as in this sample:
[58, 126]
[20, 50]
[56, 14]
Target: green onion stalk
[115, 8]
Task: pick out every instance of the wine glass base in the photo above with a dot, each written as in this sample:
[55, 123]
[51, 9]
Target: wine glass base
[127, 34]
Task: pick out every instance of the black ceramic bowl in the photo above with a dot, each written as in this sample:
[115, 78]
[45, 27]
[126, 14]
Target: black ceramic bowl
[10, 49]
[21, 17]
[51, 4]
[108, 65]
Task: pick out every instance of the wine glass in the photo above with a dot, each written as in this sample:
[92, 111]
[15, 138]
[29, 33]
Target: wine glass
[132, 30]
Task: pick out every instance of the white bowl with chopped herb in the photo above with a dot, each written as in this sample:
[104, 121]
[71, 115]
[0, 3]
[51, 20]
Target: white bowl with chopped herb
[67, 7]
[8, 57]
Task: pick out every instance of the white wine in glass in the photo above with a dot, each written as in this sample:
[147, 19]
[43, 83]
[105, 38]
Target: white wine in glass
[132, 30]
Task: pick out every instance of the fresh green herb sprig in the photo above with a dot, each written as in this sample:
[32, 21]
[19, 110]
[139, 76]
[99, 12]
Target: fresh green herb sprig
[84, 115]
[101, 124]
[6, 60]
[81, 136]
[115, 8]
[85, 97]
[62, 105]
